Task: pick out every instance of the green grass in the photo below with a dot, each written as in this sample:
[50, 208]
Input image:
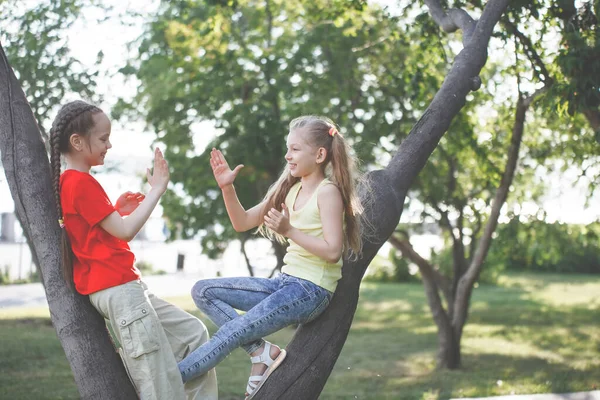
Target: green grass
[530, 334]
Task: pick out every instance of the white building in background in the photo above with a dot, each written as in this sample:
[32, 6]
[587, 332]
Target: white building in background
[8, 221]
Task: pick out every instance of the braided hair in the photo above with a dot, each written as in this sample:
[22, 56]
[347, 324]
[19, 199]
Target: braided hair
[73, 117]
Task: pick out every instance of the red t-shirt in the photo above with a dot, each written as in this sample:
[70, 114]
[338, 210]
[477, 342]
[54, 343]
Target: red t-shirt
[101, 260]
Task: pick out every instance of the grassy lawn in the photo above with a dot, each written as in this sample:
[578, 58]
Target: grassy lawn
[530, 334]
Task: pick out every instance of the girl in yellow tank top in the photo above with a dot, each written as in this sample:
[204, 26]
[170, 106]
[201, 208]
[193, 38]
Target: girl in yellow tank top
[314, 207]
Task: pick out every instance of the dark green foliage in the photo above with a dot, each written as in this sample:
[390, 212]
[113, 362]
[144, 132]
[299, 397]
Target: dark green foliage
[249, 68]
[546, 247]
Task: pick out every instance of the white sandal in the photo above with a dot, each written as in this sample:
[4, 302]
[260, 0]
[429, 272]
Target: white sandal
[272, 364]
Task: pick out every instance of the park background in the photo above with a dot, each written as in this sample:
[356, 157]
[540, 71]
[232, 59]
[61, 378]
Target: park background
[533, 322]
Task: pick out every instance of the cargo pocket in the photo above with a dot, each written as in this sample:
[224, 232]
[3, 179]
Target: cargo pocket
[139, 333]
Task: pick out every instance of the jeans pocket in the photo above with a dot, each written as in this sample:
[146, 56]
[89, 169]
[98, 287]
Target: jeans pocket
[323, 304]
[139, 333]
[309, 287]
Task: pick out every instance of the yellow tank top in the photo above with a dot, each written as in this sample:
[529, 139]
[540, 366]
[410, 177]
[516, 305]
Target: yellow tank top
[300, 263]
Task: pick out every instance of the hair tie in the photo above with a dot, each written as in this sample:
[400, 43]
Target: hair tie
[61, 223]
[333, 131]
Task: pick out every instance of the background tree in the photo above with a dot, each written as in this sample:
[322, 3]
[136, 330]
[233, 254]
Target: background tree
[327, 335]
[249, 69]
[467, 180]
[463, 189]
[306, 371]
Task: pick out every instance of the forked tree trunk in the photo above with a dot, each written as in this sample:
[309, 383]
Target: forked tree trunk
[451, 321]
[97, 368]
[316, 346]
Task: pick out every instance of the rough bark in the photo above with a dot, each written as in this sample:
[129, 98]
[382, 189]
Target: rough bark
[316, 346]
[97, 368]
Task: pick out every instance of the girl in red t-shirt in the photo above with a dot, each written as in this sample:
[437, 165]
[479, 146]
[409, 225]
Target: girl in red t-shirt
[97, 261]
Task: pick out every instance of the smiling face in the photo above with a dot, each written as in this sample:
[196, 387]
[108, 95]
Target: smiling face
[303, 159]
[92, 146]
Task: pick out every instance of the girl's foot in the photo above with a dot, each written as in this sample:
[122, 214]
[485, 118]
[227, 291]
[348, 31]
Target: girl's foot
[264, 361]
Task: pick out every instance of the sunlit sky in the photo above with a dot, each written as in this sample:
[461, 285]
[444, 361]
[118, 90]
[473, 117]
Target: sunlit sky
[132, 145]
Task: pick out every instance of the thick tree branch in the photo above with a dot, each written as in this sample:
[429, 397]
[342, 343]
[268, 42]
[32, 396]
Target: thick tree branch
[452, 19]
[451, 97]
[316, 346]
[441, 281]
[431, 280]
[440, 315]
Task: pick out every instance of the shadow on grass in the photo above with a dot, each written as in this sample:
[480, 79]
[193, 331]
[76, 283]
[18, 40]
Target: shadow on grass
[530, 346]
[548, 348]
[485, 375]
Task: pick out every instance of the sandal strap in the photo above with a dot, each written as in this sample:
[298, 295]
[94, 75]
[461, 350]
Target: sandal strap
[265, 357]
[256, 378]
[251, 386]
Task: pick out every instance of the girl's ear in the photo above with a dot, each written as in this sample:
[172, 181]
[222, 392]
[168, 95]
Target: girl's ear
[76, 141]
[321, 155]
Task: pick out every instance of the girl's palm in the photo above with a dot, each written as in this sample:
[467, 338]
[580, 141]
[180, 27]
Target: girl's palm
[223, 174]
[159, 176]
[128, 202]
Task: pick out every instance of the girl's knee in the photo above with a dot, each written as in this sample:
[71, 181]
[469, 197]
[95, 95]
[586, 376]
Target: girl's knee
[200, 292]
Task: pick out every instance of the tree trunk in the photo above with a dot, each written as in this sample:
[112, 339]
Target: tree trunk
[97, 368]
[315, 347]
[448, 356]
[465, 286]
[450, 328]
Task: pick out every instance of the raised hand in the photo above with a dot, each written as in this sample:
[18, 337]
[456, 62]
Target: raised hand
[223, 174]
[128, 202]
[278, 221]
[159, 177]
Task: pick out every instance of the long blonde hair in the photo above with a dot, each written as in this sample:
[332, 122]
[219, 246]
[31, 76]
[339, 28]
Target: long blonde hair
[339, 166]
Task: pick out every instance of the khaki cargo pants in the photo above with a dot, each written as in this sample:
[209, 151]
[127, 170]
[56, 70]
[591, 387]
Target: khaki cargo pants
[155, 335]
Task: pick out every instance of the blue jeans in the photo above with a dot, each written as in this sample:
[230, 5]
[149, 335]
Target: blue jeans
[270, 305]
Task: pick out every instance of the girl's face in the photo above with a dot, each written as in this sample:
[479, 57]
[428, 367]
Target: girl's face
[93, 146]
[302, 158]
